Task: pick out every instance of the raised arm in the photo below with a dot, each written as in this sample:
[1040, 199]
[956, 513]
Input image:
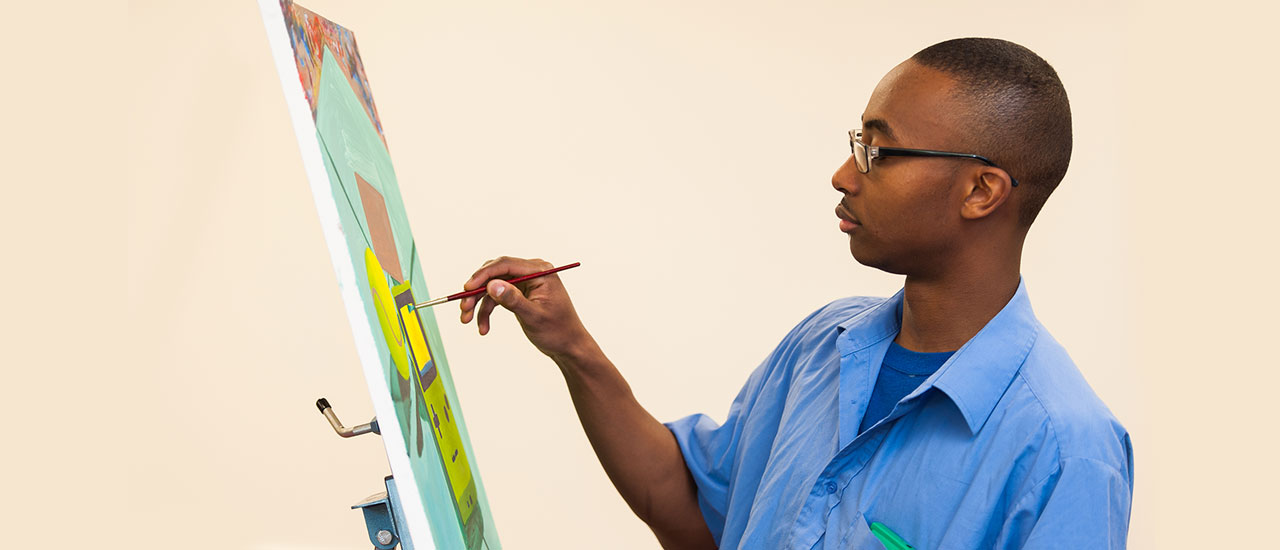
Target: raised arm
[638, 453]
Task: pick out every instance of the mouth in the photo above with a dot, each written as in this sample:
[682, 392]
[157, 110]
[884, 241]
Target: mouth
[847, 221]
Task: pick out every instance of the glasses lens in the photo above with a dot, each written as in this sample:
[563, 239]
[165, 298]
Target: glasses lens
[859, 151]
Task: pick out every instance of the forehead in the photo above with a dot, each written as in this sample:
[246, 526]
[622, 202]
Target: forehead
[918, 105]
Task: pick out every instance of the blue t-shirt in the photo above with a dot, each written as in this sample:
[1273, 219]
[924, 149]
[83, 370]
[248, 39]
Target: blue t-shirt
[901, 371]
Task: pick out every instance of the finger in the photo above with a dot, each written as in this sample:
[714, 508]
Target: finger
[467, 306]
[482, 315]
[502, 268]
[510, 297]
[487, 271]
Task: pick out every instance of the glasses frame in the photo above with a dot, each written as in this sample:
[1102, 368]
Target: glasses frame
[863, 154]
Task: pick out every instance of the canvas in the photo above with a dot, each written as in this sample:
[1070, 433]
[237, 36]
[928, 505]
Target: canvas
[379, 273]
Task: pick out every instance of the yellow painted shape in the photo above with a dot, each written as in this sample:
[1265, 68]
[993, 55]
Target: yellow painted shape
[441, 423]
[450, 445]
[417, 342]
[385, 306]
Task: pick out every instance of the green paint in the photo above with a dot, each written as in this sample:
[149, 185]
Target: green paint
[350, 143]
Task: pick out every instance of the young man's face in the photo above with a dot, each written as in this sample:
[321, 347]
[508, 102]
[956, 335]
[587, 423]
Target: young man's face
[903, 216]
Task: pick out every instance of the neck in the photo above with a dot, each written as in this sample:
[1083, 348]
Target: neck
[942, 312]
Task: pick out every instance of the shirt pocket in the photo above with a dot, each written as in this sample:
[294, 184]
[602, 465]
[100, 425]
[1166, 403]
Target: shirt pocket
[855, 532]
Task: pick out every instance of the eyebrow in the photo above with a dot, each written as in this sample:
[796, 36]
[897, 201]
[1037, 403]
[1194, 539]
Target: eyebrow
[879, 125]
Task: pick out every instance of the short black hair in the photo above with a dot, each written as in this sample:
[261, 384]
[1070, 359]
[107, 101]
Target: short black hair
[1019, 108]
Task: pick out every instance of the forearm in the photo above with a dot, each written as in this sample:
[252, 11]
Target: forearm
[637, 452]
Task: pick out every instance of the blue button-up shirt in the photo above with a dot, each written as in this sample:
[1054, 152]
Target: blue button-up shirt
[1005, 446]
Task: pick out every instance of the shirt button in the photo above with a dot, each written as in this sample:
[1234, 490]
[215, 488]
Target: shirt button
[831, 487]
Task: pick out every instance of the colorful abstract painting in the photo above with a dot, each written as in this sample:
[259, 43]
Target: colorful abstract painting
[379, 273]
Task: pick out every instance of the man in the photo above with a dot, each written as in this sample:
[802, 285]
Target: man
[946, 413]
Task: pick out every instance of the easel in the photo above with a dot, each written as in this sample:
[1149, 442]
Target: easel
[383, 515]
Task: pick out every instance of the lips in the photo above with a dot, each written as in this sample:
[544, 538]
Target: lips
[847, 221]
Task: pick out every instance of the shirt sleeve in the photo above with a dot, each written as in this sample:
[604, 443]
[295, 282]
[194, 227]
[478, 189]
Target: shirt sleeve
[713, 453]
[710, 451]
[1084, 505]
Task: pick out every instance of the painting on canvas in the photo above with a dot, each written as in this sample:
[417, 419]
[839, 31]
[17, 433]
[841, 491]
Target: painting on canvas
[379, 270]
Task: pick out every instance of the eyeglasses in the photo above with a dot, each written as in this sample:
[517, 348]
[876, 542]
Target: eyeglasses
[863, 155]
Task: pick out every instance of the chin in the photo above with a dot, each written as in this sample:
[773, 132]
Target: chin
[871, 259]
[862, 255]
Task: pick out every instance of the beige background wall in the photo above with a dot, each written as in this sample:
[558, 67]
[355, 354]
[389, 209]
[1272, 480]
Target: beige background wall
[681, 150]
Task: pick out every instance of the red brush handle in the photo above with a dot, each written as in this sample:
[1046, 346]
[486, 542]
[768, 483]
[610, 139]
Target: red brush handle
[481, 290]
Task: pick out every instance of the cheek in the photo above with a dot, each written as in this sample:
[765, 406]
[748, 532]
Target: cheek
[919, 210]
[927, 193]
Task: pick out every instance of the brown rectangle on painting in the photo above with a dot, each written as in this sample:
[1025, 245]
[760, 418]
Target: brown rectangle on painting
[384, 241]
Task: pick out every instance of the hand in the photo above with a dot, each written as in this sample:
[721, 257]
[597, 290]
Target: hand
[541, 305]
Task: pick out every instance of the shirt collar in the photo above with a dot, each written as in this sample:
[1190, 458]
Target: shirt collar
[870, 326]
[977, 375]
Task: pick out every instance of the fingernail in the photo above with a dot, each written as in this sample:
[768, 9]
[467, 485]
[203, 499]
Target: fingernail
[498, 291]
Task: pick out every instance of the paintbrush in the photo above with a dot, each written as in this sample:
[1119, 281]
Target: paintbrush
[481, 290]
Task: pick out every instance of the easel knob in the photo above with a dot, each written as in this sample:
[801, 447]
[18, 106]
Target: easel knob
[332, 417]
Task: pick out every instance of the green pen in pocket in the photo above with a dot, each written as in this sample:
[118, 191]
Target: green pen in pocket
[888, 538]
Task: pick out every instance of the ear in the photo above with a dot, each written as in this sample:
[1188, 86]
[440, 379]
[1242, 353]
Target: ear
[985, 193]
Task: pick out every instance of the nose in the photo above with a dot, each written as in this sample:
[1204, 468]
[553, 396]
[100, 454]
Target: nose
[846, 176]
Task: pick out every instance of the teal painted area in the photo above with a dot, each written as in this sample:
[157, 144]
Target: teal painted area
[350, 144]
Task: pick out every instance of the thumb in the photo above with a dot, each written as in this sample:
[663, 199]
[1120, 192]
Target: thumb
[508, 296]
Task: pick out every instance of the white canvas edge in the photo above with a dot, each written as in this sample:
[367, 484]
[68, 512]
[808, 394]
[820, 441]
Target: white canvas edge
[313, 161]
